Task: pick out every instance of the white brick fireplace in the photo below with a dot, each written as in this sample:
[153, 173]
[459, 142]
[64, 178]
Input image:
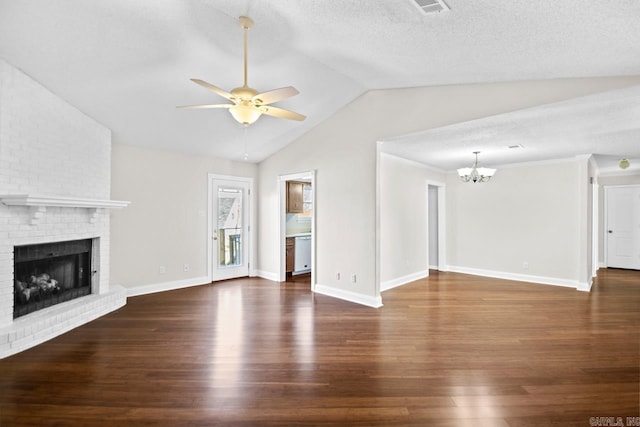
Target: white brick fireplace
[55, 174]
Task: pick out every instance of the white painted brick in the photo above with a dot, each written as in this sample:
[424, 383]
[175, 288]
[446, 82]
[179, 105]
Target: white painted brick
[48, 147]
[18, 235]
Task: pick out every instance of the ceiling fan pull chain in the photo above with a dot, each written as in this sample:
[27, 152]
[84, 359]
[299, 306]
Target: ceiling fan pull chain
[246, 136]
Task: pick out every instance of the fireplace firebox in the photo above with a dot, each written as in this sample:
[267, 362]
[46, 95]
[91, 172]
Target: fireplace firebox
[50, 273]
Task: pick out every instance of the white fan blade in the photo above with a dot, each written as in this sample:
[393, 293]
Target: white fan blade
[212, 88]
[201, 107]
[275, 95]
[281, 113]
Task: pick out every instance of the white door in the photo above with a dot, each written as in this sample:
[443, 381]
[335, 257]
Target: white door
[230, 229]
[623, 227]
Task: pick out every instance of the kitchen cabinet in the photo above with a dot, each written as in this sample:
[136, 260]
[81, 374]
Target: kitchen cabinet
[295, 202]
[290, 254]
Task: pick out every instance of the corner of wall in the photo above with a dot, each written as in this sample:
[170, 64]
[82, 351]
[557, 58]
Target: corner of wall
[369, 301]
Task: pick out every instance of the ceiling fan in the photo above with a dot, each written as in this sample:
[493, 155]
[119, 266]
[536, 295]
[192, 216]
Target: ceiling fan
[248, 105]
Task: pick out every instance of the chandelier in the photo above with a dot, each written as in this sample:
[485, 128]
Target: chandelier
[474, 173]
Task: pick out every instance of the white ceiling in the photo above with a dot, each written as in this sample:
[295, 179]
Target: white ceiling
[606, 124]
[127, 62]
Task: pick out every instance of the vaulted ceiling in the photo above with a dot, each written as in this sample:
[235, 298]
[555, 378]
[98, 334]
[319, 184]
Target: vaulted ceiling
[127, 63]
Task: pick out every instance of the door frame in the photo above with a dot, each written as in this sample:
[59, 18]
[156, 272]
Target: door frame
[282, 206]
[252, 237]
[605, 227]
[441, 214]
[595, 224]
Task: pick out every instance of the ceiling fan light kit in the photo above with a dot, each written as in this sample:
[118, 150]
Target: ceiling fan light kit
[248, 104]
[474, 173]
[245, 114]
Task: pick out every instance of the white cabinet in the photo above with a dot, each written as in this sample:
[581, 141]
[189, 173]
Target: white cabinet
[302, 260]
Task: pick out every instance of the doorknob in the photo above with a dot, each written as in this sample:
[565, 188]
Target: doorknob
[610, 231]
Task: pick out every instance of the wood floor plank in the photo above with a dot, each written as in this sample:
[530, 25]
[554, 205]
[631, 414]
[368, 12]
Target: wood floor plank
[448, 350]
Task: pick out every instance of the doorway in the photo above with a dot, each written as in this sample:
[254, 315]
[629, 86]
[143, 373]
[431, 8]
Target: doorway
[297, 226]
[229, 225]
[622, 226]
[436, 226]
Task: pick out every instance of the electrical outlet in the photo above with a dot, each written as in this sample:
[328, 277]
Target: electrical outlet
[525, 265]
[186, 267]
[353, 278]
[162, 269]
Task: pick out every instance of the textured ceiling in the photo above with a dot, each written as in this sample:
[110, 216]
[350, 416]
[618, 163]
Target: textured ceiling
[606, 124]
[127, 62]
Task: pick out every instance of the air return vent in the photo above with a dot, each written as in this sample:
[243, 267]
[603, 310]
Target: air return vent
[430, 6]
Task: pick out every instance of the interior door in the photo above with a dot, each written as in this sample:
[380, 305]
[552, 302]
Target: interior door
[623, 227]
[230, 229]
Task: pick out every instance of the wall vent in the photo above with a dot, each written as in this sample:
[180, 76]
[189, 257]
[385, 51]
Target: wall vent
[431, 6]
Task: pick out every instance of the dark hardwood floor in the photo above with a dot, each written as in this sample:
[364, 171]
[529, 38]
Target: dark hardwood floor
[450, 350]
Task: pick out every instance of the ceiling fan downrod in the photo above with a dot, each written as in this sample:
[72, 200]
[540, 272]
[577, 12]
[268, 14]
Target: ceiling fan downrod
[245, 23]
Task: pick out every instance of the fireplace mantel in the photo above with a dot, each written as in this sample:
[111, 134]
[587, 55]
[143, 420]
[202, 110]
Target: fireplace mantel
[39, 204]
[70, 202]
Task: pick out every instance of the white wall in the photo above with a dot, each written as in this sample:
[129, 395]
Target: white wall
[525, 214]
[342, 150]
[404, 236]
[166, 223]
[345, 200]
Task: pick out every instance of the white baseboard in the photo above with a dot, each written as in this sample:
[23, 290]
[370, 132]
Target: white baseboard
[585, 287]
[433, 267]
[521, 277]
[602, 265]
[167, 286]
[394, 283]
[268, 275]
[369, 301]
[297, 273]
